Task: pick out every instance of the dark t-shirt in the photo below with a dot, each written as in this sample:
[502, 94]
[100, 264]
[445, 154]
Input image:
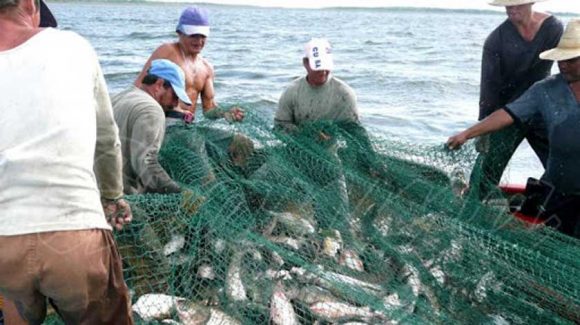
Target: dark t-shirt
[552, 101]
[510, 64]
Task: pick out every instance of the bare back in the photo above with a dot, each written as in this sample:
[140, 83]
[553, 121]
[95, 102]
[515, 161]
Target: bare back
[199, 75]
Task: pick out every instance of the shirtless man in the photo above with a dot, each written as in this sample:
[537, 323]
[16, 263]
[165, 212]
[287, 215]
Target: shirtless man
[192, 31]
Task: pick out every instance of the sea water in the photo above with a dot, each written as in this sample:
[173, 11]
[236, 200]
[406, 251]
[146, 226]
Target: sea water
[415, 71]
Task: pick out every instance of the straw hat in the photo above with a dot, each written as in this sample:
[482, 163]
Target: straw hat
[569, 45]
[505, 3]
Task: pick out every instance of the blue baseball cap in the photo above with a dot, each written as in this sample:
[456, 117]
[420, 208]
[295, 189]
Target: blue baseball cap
[171, 72]
[193, 20]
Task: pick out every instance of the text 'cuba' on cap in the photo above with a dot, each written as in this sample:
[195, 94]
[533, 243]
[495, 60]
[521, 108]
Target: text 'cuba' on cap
[193, 20]
[319, 54]
[171, 72]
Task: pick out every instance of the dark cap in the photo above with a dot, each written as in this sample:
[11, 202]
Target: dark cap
[46, 17]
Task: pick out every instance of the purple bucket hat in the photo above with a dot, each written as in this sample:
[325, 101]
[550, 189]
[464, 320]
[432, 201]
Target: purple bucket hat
[193, 21]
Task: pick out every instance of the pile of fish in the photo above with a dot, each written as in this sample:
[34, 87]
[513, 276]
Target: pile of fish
[292, 273]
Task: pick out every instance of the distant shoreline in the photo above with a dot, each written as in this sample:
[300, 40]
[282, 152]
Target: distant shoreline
[331, 8]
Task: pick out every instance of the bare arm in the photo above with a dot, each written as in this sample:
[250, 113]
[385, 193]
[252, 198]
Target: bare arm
[210, 107]
[496, 121]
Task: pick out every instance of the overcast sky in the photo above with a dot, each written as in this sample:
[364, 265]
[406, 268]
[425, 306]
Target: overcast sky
[551, 5]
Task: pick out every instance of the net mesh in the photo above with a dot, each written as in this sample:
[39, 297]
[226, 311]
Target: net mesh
[335, 229]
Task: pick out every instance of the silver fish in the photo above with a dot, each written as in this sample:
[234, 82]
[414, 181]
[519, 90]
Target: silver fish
[190, 313]
[350, 259]
[205, 271]
[155, 306]
[312, 294]
[337, 311]
[294, 222]
[281, 310]
[174, 245]
[235, 289]
[287, 241]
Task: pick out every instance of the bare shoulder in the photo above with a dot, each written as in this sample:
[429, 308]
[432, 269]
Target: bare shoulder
[168, 51]
[207, 66]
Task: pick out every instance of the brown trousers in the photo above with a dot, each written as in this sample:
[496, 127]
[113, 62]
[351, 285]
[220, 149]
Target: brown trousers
[78, 272]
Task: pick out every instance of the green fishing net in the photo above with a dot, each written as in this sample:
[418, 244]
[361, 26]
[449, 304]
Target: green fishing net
[334, 225]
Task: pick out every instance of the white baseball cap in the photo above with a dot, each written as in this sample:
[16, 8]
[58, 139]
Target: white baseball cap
[319, 54]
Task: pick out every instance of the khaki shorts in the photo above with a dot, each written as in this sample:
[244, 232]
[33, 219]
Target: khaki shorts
[79, 272]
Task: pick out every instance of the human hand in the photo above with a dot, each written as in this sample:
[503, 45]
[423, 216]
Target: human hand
[191, 201]
[323, 137]
[188, 117]
[117, 212]
[456, 141]
[235, 114]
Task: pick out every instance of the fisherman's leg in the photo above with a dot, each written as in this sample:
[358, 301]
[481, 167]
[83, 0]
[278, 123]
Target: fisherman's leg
[82, 276]
[490, 165]
[19, 268]
[565, 217]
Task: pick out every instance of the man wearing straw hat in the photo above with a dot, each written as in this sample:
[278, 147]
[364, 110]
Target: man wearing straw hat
[555, 101]
[510, 65]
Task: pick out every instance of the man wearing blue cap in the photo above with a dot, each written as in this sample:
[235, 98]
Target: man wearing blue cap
[139, 113]
[193, 30]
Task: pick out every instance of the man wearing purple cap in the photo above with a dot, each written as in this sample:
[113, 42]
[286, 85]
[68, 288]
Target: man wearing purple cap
[192, 31]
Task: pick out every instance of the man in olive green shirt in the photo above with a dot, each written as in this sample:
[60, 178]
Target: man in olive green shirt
[139, 113]
[318, 96]
[314, 98]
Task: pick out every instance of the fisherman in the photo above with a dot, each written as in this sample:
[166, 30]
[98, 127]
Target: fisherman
[139, 115]
[321, 97]
[555, 101]
[192, 31]
[61, 175]
[510, 65]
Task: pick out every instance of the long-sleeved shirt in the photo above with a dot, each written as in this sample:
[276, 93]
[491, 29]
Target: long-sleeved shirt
[141, 128]
[58, 139]
[510, 64]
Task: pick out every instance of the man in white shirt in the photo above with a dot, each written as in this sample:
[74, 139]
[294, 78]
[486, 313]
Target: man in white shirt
[60, 170]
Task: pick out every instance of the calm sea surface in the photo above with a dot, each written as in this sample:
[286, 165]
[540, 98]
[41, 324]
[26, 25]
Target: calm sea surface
[415, 71]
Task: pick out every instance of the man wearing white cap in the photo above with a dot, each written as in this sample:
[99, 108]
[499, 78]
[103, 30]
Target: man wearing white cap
[556, 102]
[318, 95]
[510, 65]
[193, 30]
[321, 97]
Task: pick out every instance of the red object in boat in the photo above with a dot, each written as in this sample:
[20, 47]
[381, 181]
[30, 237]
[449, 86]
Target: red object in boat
[512, 189]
